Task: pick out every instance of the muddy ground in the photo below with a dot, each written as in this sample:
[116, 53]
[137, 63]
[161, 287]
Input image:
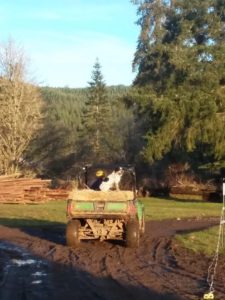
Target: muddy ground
[35, 264]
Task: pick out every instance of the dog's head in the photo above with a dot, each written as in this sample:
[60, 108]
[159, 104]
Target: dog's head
[119, 171]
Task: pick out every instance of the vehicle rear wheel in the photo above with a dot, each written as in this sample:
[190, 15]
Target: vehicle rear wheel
[72, 233]
[132, 234]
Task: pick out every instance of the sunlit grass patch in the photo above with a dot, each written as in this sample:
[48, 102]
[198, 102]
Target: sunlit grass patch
[33, 215]
[204, 241]
[159, 209]
[55, 211]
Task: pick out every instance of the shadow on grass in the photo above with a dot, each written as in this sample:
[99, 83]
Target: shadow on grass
[185, 200]
[51, 231]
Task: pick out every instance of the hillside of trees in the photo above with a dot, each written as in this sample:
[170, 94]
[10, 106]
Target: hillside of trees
[82, 126]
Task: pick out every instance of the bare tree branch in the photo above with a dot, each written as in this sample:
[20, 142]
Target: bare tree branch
[20, 107]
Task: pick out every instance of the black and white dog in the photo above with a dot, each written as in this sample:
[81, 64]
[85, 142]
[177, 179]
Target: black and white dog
[112, 181]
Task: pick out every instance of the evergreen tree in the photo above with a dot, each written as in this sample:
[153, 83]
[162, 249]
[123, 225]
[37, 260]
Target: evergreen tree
[181, 73]
[96, 129]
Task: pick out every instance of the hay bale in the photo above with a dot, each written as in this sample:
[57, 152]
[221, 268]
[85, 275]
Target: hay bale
[87, 195]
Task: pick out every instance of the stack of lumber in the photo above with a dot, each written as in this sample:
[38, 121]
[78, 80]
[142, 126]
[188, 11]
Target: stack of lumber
[34, 190]
[28, 190]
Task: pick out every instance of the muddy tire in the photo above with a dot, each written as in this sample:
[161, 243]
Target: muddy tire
[72, 233]
[132, 234]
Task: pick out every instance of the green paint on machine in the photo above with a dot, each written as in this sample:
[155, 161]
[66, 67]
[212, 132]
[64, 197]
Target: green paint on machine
[84, 206]
[116, 206]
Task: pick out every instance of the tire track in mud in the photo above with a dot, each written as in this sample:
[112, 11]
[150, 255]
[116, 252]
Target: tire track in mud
[158, 269]
[137, 267]
[175, 271]
[165, 269]
[154, 264]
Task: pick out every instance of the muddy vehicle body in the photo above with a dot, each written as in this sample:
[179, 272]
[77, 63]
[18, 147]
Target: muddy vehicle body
[105, 215]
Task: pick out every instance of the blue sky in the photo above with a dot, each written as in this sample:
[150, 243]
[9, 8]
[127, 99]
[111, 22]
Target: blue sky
[63, 38]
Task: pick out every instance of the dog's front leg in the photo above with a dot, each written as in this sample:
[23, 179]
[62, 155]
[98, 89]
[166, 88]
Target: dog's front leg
[117, 186]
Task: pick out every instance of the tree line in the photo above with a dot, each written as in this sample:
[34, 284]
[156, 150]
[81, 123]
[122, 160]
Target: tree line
[173, 113]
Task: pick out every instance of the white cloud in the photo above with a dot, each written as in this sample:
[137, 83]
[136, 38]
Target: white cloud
[46, 15]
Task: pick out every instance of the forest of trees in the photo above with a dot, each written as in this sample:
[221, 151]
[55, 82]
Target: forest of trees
[83, 126]
[173, 113]
[180, 63]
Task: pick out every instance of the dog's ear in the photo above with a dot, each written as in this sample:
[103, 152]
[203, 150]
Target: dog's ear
[121, 171]
[118, 169]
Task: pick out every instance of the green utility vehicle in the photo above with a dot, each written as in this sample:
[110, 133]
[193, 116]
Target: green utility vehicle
[105, 215]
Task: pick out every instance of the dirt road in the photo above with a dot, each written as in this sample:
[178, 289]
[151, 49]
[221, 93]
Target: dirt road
[36, 264]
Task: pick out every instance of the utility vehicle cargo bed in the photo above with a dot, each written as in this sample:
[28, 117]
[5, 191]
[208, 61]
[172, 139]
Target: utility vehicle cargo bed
[87, 195]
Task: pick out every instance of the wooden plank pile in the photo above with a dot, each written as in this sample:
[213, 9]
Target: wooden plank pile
[28, 190]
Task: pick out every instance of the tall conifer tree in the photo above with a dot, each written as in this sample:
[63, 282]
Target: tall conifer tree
[97, 118]
[181, 73]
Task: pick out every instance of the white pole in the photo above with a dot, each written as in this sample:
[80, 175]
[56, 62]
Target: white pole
[223, 187]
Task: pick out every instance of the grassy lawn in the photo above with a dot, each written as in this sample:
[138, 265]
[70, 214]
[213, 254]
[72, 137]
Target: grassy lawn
[54, 213]
[204, 241]
[47, 214]
[159, 209]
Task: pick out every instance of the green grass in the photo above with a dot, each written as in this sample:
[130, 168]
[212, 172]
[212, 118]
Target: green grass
[155, 209]
[54, 213]
[159, 209]
[47, 214]
[204, 241]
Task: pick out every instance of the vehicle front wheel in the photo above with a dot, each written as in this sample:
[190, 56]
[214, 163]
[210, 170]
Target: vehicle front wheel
[132, 234]
[72, 233]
